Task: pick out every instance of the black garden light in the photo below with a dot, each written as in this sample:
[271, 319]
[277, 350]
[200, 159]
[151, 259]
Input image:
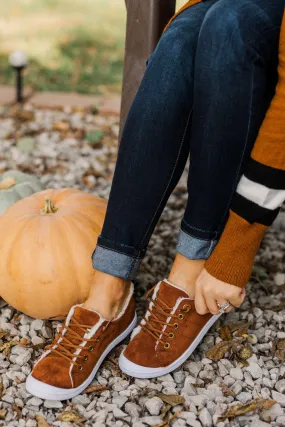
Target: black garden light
[18, 60]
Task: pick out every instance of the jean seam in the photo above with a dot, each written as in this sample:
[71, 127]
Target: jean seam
[210, 249]
[170, 179]
[195, 237]
[245, 145]
[253, 42]
[114, 250]
[200, 229]
[130, 270]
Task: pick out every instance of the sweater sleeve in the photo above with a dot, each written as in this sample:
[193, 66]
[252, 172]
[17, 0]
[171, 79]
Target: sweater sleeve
[259, 195]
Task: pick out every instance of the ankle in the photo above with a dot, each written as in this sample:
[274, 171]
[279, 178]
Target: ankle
[185, 272]
[107, 294]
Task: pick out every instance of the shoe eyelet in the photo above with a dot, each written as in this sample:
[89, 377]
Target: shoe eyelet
[171, 335]
[166, 345]
[90, 348]
[176, 326]
[85, 358]
[80, 367]
[180, 316]
[186, 308]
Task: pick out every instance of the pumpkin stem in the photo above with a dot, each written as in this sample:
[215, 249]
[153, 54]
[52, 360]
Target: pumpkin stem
[7, 183]
[49, 208]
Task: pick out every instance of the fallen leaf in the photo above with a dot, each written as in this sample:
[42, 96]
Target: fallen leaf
[225, 333]
[61, 126]
[24, 115]
[3, 413]
[96, 388]
[24, 341]
[246, 352]
[172, 399]
[218, 351]
[169, 420]
[3, 333]
[2, 389]
[41, 421]
[166, 411]
[69, 417]
[17, 410]
[8, 344]
[226, 390]
[236, 326]
[278, 348]
[240, 409]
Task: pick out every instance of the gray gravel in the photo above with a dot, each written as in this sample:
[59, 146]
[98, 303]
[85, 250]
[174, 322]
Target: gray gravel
[60, 156]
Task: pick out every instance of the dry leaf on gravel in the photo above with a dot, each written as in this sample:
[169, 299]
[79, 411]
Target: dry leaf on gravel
[17, 410]
[61, 126]
[7, 345]
[239, 329]
[246, 352]
[278, 348]
[2, 389]
[218, 351]
[96, 388]
[226, 390]
[168, 421]
[171, 399]
[165, 412]
[70, 417]
[3, 333]
[41, 421]
[240, 409]
[3, 413]
[225, 333]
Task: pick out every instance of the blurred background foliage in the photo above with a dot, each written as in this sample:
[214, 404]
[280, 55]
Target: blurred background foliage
[72, 45]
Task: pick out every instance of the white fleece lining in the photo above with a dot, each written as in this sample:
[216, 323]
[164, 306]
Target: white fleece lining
[137, 330]
[67, 320]
[95, 328]
[91, 331]
[178, 302]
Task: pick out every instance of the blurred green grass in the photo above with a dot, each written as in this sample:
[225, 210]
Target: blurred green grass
[72, 45]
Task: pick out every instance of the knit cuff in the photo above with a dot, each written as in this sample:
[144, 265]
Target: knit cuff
[233, 257]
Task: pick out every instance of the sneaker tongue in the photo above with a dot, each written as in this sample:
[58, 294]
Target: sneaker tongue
[85, 316]
[170, 294]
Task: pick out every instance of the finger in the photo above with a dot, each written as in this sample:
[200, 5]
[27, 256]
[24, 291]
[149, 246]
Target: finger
[212, 305]
[234, 295]
[200, 304]
[223, 301]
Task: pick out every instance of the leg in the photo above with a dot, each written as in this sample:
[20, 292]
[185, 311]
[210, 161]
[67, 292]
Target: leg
[152, 154]
[236, 63]
[237, 51]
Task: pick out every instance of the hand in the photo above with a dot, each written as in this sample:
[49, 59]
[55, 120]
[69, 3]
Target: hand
[209, 291]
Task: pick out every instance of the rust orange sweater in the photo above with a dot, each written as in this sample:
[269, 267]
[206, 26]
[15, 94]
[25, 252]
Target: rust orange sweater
[260, 192]
[259, 195]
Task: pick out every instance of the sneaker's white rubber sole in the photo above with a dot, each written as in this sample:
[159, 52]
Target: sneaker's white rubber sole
[138, 371]
[46, 391]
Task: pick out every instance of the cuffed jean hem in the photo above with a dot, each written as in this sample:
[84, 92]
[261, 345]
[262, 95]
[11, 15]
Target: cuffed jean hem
[115, 263]
[193, 247]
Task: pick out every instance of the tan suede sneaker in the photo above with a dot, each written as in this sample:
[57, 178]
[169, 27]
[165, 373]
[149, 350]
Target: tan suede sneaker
[70, 363]
[168, 334]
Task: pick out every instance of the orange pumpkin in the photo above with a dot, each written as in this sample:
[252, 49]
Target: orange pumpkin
[46, 244]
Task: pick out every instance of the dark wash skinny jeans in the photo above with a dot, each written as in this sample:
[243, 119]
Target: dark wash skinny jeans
[205, 92]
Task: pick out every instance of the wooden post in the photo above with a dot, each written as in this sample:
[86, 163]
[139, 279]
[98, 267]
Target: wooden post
[145, 22]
